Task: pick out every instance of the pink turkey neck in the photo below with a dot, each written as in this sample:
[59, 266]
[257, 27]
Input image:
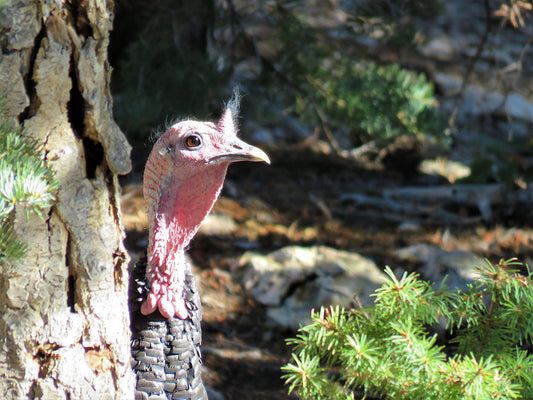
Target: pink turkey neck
[185, 205]
[182, 207]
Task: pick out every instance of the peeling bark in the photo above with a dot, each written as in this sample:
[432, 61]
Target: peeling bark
[64, 322]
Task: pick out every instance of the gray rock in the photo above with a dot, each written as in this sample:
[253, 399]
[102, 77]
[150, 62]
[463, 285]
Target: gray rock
[479, 101]
[448, 84]
[294, 280]
[518, 107]
[458, 266]
[442, 48]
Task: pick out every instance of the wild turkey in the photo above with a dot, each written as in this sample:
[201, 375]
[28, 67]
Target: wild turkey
[182, 180]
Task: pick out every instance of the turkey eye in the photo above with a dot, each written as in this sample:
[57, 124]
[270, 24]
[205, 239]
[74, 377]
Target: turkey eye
[193, 141]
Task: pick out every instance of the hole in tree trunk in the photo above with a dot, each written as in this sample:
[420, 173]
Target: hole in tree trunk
[94, 152]
[71, 293]
[71, 281]
[29, 83]
[78, 11]
[94, 155]
[76, 104]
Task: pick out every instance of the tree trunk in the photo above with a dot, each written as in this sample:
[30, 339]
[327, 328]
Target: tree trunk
[64, 323]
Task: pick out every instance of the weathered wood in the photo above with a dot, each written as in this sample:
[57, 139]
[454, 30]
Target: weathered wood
[426, 203]
[484, 197]
[64, 323]
[459, 193]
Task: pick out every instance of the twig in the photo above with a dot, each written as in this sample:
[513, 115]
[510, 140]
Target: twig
[321, 205]
[473, 62]
[327, 131]
[365, 148]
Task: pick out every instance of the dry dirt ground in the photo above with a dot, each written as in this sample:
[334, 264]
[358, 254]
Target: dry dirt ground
[296, 200]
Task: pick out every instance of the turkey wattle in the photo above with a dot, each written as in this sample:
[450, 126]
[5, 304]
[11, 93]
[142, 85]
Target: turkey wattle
[182, 180]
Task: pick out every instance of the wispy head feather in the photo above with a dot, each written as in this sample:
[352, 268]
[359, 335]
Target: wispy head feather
[234, 104]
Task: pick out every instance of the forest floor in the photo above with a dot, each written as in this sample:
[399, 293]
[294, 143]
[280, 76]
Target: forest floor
[296, 201]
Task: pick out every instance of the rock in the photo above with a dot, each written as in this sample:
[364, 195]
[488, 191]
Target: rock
[518, 107]
[479, 101]
[459, 267]
[448, 84]
[409, 226]
[441, 48]
[294, 280]
[273, 125]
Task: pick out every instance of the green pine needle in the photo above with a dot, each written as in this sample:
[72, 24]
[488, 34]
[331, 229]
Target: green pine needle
[25, 181]
[388, 349]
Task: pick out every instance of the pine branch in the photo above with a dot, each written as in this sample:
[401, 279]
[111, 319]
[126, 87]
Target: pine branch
[389, 350]
[25, 181]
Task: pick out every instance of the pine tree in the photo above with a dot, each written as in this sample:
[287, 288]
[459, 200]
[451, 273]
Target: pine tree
[389, 350]
[25, 181]
[343, 90]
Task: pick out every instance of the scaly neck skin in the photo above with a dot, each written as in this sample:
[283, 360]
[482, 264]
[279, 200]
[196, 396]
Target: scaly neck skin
[182, 207]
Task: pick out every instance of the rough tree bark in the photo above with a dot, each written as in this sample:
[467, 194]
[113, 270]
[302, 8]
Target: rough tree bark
[64, 324]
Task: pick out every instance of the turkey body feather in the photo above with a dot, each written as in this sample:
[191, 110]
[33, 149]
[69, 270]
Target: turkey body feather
[166, 351]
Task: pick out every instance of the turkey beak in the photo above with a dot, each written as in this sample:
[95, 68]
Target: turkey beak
[241, 151]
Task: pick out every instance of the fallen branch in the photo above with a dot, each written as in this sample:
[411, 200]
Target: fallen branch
[429, 202]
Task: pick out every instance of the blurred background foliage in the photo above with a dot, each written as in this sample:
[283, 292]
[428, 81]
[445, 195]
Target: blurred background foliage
[175, 59]
[347, 91]
[163, 67]
[352, 72]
